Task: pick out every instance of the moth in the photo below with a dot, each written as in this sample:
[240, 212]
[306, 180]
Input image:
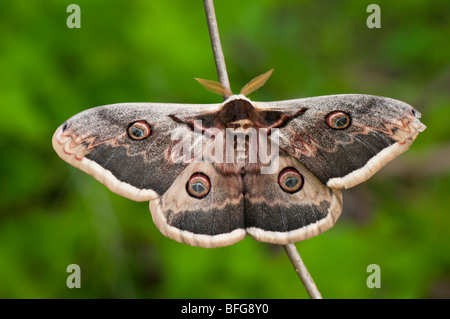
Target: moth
[208, 189]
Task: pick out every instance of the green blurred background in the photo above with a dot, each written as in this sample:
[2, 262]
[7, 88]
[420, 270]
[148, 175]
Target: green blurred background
[53, 215]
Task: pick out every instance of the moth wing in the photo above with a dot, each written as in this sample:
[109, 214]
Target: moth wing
[215, 220]
[276, 216]
[98, 142]
[379, 129]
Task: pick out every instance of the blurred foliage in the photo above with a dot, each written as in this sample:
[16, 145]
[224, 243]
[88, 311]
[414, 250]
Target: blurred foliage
[53, 215]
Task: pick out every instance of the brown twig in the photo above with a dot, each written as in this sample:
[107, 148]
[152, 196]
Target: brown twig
[302, 271]
[216, 44]
[219, 58]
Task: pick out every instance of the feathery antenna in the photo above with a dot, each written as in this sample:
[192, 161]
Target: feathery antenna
[256, 83]
[216, 87]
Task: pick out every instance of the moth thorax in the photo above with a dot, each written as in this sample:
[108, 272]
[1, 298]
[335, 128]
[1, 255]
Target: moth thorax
[242, 148]
[240, 125]
[242, 145]
[236, 110]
